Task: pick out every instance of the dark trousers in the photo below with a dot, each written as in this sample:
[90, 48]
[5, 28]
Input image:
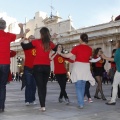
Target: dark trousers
[118, 91]
[4, 71]
[30, 84]
[105, 80]
[87, 87]
[41, 74]
[62, 79]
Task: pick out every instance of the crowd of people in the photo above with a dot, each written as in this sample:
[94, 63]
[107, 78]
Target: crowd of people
[88, 67]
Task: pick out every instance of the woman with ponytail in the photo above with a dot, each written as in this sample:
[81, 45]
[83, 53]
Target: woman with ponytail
[41, 69]
[60, 72]
[81, 69]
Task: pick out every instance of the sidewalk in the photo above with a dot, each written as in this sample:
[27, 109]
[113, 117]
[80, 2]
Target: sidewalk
[16, 109]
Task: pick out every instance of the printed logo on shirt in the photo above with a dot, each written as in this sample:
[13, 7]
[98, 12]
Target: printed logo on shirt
[60, 59]
[101, 61]
[34, 52]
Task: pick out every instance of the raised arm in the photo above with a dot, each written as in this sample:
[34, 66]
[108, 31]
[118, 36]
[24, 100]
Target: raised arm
[26, 46]
[21, 34]
[24, 37]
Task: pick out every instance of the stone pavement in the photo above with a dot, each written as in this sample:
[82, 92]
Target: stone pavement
[16, 109]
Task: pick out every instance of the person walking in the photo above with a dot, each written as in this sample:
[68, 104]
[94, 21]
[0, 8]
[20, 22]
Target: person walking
[98, 73]
[112, 72]
[10, 76]
[79, 76]
[116, 80]
[5, 39]
[30, 84]
[41, 69]
[60, 72]
[87, 92]
[113, 67]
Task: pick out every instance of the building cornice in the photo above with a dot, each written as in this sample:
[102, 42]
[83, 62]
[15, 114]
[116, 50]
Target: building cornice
[94, 32]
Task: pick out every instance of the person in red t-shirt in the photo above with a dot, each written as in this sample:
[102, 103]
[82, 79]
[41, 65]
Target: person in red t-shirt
[98, 70]
[12, 54]
[112, 72]
[81, 69]
[5, 39]
[28, 78]
[60, 72]
[41, 63]
[113, 67]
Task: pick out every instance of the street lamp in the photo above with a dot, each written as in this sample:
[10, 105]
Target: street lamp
[111, 42]
[19, 64]
[19, 61]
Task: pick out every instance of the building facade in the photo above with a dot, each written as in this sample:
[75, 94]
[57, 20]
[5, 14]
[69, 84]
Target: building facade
[102, 35]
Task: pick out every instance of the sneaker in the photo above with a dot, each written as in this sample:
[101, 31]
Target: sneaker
[67, 101]
[27, 103]
[60, 100]
[42, 109]
[80, 107]
[33, 103]
[90, 100]
[85, 100]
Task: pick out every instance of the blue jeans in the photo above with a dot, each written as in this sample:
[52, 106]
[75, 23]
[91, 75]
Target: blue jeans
[80, 90]
[4, 71]
[30, 84]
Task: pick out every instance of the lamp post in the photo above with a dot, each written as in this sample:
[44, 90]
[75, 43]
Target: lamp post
[19, 64]
[111, 42]
[19, 61]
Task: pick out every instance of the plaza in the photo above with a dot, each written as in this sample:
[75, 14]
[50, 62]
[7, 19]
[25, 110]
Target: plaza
[79, 30]
[16, 109]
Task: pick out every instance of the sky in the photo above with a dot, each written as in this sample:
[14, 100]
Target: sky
[83, 12]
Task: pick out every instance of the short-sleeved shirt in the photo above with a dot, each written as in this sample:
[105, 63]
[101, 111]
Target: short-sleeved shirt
[113, 65]
[29, 57]
[5, 39]
[117, 59]
[82, 53]
[42, 56]
[100, 63]
[59, 64]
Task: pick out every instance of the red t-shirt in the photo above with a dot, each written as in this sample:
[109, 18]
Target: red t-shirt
[29, 57]
[99, 63]
[82, 53]
[113, 65]
[5, 39]
[42, 57]
[59, 65]
[10, 77]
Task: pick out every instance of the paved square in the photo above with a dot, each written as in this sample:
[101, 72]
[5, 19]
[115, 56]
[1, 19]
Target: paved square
[16, 109]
